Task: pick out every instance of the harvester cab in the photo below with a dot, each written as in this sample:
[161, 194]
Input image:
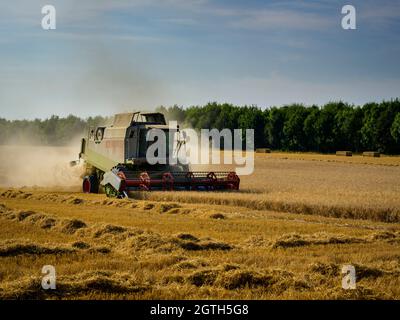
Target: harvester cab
[116, 163]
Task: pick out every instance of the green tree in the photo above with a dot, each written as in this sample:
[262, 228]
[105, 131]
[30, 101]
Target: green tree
[274, 127]
[253, 118]
[313, 140]
[294, 135]
[395, 129]
[348, 123]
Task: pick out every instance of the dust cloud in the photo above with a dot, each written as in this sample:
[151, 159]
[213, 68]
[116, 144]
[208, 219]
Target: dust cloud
[39, 166]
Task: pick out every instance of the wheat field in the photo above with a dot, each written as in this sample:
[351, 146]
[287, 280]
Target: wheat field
[286, 235]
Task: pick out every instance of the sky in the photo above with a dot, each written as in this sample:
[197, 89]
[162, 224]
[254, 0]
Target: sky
[114, 56]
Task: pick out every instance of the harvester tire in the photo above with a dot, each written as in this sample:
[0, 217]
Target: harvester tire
[111, 192]
[90, 184]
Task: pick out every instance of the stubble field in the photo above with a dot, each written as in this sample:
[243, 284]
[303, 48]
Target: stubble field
[286, 235]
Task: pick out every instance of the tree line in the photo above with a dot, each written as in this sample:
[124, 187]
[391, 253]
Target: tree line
[331, 127]
[54, 131]
[328, 128]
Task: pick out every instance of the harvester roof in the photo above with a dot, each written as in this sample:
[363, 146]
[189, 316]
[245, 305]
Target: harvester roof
[128, 119]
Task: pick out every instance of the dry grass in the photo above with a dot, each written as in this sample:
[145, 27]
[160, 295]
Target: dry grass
[14, 248]
[310, 184]
[355, 159]
[187, 245]
[120, 252]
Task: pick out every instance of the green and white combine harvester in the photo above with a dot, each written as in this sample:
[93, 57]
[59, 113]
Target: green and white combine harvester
[115, 160]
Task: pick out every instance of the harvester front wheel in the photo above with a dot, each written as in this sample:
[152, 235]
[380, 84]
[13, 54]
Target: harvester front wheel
[90, 184]
[111, 192]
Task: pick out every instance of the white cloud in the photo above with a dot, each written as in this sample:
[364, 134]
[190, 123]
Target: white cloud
[282, 19]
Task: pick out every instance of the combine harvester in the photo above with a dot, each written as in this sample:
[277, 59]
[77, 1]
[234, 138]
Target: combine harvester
[115, 160]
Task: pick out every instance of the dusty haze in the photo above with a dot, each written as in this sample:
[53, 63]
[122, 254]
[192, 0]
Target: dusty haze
[40, 166]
